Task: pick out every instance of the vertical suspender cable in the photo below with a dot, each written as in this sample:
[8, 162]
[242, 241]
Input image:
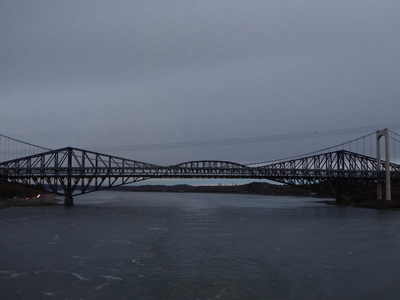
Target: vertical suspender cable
[356, 146]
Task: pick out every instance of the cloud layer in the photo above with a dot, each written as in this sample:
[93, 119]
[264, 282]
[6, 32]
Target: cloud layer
[101, 73]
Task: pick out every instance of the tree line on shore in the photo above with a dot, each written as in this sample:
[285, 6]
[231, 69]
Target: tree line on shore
[259, 188]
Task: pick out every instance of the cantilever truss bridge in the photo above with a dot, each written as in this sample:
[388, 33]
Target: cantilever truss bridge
[71, 171]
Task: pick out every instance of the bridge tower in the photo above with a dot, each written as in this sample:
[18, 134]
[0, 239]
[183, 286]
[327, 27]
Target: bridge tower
[379, 134]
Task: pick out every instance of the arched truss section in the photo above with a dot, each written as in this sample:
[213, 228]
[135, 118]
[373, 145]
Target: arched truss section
[337, 160]
[337, 164]
[74, 171]
[343, 170]
[202, 164]
[207, 169]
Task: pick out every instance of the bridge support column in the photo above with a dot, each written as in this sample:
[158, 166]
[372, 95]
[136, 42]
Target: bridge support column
[69, 200]
[379, 134]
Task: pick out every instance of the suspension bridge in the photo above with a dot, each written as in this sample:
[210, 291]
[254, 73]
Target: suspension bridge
[339, 171]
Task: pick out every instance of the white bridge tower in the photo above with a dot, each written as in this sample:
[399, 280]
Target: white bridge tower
[379, 134]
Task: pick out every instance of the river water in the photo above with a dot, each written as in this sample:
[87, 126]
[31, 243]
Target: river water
[121, 245]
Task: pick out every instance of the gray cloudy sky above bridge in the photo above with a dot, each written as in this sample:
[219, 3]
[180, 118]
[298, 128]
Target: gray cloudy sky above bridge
[112, 73]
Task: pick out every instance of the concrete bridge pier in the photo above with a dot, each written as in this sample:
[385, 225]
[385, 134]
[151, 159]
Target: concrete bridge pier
[68, 200]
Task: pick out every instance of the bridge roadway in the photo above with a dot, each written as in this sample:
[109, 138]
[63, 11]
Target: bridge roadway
[71, 171]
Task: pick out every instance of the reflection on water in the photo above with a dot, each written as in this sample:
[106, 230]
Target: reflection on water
[198, 246]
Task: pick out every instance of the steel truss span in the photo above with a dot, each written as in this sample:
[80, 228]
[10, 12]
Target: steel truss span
[71, 171]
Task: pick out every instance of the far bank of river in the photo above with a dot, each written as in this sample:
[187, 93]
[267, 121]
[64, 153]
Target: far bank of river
[12, 195]
[19, 195]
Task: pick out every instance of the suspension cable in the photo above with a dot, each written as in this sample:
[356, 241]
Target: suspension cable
[314, 152]
[22, 142]
[391, 131]
[10, 148]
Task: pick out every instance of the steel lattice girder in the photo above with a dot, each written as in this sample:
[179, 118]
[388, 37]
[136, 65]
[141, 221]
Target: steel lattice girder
[76, 171]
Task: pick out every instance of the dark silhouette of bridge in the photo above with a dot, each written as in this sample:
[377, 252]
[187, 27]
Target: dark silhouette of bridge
[72, 171]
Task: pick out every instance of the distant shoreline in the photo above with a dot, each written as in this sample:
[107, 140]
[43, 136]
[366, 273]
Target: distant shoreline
[31, 197]
[255, 188]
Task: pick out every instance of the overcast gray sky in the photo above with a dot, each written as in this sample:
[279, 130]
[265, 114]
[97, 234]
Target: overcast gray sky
[108, 73]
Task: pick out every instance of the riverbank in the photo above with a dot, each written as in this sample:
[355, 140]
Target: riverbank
[384, 205]
[12, 195]
[39, 200]
[394, 205]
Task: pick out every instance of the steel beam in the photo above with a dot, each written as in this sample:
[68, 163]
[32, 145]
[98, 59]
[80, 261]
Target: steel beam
[71, 171]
